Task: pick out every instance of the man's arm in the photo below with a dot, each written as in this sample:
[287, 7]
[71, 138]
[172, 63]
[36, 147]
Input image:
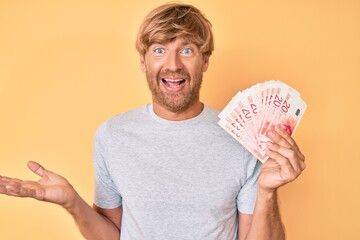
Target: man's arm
[245, 221]
[284, 165]
[265, 223]
[94, 224]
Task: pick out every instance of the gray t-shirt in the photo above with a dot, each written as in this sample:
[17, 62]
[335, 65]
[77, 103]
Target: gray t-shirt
[174, 179]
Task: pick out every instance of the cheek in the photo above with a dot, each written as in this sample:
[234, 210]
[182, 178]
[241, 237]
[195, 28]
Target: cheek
[195, 69]
[153, 68]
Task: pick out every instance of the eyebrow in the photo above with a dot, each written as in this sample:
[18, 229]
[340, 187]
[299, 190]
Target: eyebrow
[184, 43]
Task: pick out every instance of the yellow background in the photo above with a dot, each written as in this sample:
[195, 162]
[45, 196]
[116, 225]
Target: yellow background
[66, 66]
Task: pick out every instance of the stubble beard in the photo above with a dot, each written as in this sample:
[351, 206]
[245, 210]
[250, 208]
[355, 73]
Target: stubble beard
[175, 102]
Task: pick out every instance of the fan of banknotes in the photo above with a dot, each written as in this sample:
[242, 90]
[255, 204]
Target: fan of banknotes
[265, 106]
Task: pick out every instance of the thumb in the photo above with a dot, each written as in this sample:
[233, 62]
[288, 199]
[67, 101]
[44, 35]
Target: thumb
[36, 168]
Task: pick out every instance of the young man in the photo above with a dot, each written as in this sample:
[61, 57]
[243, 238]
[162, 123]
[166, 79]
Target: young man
[167, 170]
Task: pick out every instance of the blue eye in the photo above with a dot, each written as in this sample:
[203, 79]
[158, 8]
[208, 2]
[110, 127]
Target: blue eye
[159, 50]
[187, 51]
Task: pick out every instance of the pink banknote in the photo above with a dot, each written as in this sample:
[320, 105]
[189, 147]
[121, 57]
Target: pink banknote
[253, 112]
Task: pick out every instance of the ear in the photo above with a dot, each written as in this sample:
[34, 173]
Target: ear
[205, 63]
[142, 64]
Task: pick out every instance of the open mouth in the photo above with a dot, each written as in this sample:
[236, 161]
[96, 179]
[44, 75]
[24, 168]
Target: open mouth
[173, 83]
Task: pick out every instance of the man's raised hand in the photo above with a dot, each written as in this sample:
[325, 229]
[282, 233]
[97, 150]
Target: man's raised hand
[286, 161]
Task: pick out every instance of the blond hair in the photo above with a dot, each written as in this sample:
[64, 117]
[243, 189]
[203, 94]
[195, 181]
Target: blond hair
[174, 20]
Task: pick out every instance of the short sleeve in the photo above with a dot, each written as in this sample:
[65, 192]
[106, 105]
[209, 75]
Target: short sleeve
[247, 196]
[106, 193]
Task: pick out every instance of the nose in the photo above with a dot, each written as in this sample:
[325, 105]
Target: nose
[173, 62]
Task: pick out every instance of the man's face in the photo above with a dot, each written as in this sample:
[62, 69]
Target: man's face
[174, 73]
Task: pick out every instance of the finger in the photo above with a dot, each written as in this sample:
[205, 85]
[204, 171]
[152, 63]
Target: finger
[282, 131]
[36, 168]
[4, 181]
[23, 189]
[3, 184]
[275, 137]
[15, 190]
[10, 188]
[289, 154]
[27, 189]
[301, 156]
[287, 172]
[16, 180]
[283, 138]
[19, 188]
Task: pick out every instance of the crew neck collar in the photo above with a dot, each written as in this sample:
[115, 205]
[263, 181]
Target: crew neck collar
[164, 121]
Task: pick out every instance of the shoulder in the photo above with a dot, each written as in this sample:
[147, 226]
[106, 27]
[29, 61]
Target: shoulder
[210, 117]
[210, 123]
[123, 121]
[211, 113]
[227, 141]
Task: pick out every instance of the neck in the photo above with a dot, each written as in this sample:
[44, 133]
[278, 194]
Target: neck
[191, 112]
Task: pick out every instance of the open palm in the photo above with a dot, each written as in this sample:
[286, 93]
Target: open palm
[50, 188]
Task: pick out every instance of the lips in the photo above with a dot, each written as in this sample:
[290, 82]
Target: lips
[173, 83]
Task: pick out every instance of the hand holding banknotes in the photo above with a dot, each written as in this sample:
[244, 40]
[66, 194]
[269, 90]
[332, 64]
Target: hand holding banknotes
[263, 118]
[285, 162]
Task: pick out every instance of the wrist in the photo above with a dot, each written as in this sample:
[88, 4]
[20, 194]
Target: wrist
[266, 194]
[73, 200]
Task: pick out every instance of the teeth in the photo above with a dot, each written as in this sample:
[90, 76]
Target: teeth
[173, 80]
